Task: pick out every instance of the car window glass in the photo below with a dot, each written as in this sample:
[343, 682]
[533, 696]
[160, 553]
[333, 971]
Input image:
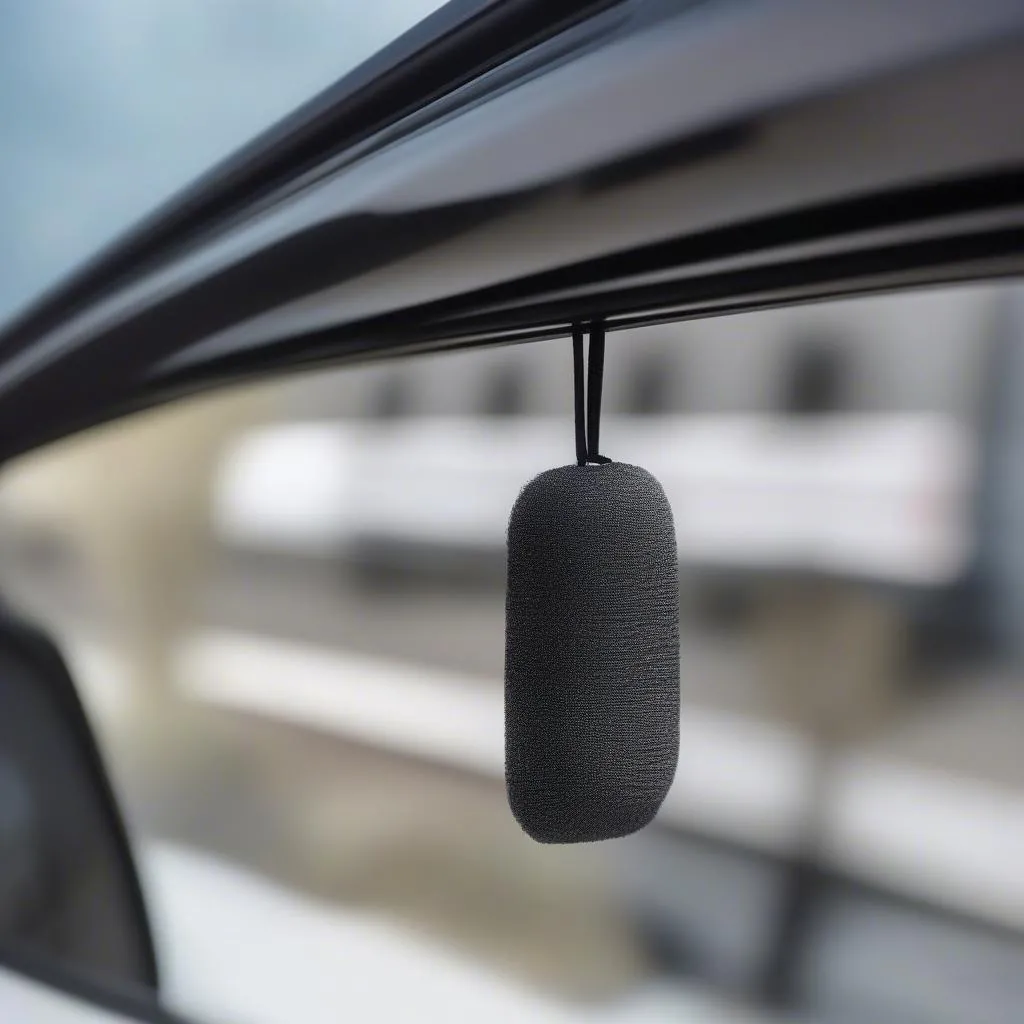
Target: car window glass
[285, 607]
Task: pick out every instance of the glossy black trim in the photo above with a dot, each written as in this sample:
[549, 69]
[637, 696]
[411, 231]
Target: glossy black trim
[655, 161]
[460, 41]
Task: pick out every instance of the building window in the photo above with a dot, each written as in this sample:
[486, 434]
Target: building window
[815, 378]
[393, 398]
[651, 385]
[505, 392]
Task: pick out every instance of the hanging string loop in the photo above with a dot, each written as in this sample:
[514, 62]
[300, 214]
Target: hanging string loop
[587, 387]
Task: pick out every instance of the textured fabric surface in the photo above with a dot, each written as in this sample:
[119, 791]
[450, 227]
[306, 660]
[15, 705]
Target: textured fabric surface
[591, 653]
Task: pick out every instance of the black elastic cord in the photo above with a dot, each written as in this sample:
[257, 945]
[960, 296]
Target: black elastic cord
[595, 378]
[588, 395]
[577, 376]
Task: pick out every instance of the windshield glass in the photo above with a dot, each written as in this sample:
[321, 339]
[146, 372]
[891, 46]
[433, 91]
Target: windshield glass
[110, 108]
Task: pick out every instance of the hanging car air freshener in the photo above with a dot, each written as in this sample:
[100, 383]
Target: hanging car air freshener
[591, 639]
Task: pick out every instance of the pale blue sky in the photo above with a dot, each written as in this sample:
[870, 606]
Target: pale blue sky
[109, 106]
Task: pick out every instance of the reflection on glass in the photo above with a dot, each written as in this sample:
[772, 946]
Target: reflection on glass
[110, 108]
